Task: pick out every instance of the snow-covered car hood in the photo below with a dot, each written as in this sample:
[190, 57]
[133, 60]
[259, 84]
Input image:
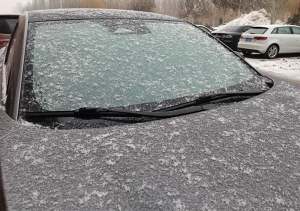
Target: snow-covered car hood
[245, 156]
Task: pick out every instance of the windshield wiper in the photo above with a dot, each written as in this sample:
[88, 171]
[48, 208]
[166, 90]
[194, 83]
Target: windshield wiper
[94, 113]
[212, 98]
[198, 105]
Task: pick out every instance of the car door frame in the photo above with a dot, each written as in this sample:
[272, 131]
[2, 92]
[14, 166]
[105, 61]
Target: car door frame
[13, 65]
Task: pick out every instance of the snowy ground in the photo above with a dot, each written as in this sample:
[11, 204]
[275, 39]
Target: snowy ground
[285, 67]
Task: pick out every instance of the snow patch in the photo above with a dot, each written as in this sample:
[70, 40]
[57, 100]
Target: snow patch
[283, 68]
[88, 196]
[179, 205]
[260, 17]
[110, 162]
[280, 200]
[28, 124]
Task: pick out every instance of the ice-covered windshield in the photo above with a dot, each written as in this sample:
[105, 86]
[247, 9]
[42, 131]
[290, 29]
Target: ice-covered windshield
[108, 63]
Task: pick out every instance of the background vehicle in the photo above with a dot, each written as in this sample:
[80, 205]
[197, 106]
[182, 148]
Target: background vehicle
[230, 35]
[7, 25]
[205, 28]
[271, 40]
[124, 122]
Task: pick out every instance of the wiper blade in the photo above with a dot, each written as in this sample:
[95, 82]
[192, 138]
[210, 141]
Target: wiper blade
[198, 105]
[94, 113]
[211, 98]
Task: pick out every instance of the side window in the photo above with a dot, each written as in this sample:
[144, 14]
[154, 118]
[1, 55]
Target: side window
[284, 30]
[296, 30]
[13, 65]
[246, 29]
[275, 31]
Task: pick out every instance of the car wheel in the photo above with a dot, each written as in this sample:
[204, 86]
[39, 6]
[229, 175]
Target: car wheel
[247, 53]
[272, 52]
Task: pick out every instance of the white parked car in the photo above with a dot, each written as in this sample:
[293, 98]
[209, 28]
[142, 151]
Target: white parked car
[270, 40]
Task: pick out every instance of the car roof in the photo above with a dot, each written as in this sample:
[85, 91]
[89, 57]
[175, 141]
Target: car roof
[239, 25]
[82, 14]
[273, 26]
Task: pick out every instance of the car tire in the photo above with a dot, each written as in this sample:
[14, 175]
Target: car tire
[246, 53]
[272, 51]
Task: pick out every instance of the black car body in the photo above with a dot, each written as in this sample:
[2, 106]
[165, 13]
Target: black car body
[230, 35]
[243, 156]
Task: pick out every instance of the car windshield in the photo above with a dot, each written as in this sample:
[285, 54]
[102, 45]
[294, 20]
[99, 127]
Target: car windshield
[7, 24]
[256, 30]
[110, 63]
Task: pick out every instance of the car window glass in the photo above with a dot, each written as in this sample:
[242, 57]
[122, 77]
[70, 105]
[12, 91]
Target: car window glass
[245, 29]
[113, 63]
[296, 30]
[275, 31]
[7, 25]
[284, 30]
[256, 30]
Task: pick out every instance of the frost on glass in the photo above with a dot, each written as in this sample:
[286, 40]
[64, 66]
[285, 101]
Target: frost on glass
[108, 63]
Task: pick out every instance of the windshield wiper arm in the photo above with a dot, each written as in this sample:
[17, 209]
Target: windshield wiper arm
[94, 113]
[198, 105]
[211, 98]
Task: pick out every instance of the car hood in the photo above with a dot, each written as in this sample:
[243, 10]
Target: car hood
[243, 156]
